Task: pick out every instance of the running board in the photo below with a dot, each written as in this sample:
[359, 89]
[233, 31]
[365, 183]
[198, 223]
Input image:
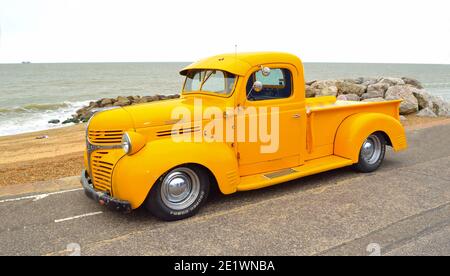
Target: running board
[279, 173]
[257, 181]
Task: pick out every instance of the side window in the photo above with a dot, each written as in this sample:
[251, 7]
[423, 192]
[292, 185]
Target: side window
[277, 85]
[275, 79]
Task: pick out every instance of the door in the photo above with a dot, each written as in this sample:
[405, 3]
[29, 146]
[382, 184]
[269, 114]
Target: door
[276, 116]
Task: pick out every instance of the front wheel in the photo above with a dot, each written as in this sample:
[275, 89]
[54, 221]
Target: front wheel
[179, 193]
[372, 153]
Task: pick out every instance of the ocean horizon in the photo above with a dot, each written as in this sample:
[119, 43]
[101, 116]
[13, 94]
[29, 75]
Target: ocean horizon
[32, 94]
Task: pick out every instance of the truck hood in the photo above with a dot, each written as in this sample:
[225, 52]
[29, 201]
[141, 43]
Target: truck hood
[116, 119]
[160, 113]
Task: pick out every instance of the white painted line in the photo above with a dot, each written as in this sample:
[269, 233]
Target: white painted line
[40, 196]
[77, 217]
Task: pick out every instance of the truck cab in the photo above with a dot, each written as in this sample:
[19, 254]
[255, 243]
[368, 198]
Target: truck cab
[242, 123]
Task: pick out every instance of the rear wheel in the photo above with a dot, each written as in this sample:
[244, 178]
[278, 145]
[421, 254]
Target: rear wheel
[179, 193]
[372, 153]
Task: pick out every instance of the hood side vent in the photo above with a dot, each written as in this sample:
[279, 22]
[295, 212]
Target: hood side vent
[170, 132]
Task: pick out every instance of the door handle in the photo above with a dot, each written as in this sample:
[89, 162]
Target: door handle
[296, 116]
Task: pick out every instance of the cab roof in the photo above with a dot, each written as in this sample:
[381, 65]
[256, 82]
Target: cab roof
[240, 63]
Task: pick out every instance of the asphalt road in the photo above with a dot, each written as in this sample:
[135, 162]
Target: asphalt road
[402, 209]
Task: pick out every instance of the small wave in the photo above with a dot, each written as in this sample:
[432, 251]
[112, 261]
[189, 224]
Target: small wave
[29, 108]
[35, 117]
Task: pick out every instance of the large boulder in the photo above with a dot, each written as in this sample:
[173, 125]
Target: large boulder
[374, 100]
[413, 82]
[441, 107]
[424, 98]
[403, 92]
[352, 97]
[378, 88]
[324, 88]
[426, 112]
[359, 80]
[310, 93]
[392, 81]
[369, 81]
[348, 97]
[93, 105]
[122, 101]
[159, 97]
[366, 81]
[438, 105]
[135, 98]
[327, 91]
[106, 101]
[85, 114]
[354, 81]
[141, 100]
[347, 87]
[372, 94]
[144, 99]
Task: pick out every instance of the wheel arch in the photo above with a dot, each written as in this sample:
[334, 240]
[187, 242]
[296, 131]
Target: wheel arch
[356, 128]
[386, 138]
[212, 178]
[134, 176]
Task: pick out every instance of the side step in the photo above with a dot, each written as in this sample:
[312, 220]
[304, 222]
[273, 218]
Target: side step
[279, 173]
[257, 181]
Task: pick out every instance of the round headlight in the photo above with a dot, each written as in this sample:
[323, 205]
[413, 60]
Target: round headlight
[133, 142]
[126, 143]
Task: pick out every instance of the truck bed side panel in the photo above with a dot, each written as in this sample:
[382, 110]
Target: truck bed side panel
[324, 120]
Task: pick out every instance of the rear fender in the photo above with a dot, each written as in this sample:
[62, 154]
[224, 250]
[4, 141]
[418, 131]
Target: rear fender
[355, 129]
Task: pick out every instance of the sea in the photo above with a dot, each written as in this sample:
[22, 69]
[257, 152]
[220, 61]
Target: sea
[33, 94]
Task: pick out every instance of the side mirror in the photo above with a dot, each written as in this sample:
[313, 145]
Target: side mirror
[257, 86]
[265, 71]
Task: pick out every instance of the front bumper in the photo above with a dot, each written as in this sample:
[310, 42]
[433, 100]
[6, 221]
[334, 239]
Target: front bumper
[103, 198]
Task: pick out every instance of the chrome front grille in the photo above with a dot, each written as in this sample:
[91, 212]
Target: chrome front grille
[101, 171]
[108, 137]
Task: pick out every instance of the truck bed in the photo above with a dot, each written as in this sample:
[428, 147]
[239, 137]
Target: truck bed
[327, 111]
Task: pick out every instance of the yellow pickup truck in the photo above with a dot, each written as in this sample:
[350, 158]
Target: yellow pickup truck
[242, 123]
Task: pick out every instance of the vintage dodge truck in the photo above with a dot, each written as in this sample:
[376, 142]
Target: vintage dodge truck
[159, 156]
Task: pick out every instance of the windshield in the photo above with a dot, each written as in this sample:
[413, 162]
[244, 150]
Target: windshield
[212, 81]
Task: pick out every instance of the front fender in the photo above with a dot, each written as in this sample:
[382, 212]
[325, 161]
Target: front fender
[135, 175]
[355, 129]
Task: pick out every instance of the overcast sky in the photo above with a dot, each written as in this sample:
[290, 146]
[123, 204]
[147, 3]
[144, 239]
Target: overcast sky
[397, 31]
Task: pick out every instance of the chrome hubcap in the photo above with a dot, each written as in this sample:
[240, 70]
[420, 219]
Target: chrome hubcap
[180, 188]
[371, 149]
